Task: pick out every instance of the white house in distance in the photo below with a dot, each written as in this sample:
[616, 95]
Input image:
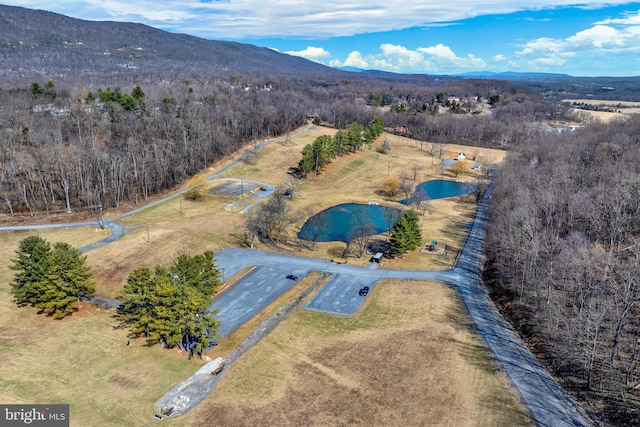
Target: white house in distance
[461, 156]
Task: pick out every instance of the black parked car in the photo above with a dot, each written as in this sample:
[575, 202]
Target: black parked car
[364, 291]
[292, 277]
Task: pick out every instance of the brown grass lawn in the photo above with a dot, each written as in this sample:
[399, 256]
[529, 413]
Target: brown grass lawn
[81, 360]
[408, 355]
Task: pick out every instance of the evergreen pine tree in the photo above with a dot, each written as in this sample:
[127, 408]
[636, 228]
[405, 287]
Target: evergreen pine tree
[307, 163]
[406, 234]
[30, 265]
[137, 301]
[399, 238]
[414, 231]
[171, 306]
[67, 279]
[52, 280]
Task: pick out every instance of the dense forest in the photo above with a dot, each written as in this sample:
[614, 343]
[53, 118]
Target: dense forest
[564, 260]
[66, 149]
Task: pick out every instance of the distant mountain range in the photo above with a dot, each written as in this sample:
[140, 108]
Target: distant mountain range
[513, 76]
[37, 46]
[508, 75]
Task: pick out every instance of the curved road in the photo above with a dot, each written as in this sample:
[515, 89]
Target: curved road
[547, 402]
[117, 231]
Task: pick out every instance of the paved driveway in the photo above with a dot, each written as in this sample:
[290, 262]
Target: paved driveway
[341, 294]
[254, 292]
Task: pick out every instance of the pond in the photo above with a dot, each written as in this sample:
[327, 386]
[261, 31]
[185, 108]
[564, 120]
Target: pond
[348, 220]
[438, 189]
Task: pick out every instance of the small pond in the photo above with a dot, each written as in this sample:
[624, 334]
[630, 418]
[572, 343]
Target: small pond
[438, 189]
[342, 222]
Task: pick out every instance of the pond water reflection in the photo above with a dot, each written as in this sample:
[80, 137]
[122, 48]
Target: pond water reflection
[348, 221]
[438, 189]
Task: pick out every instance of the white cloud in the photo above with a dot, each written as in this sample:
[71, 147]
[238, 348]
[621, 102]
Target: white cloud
[311, 53]
[143, 9]
[433, 59]
[628, 19]
[444, 56]
[603, 39]
[354, 59]
[596, 46]
[233, 19]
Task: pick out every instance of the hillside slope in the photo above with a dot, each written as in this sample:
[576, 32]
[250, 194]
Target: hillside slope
[35, 42]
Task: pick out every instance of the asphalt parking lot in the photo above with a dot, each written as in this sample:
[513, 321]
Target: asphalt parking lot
[235, 188]
[341, 295]
[251, 294]
[268, 280]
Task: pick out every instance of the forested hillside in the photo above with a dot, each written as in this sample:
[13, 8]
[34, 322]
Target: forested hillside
[564, 259]
[39, 44]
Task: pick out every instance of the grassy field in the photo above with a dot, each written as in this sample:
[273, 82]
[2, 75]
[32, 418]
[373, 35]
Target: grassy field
[412, 337]
[628, 107]
[408, 357]
[181, 226]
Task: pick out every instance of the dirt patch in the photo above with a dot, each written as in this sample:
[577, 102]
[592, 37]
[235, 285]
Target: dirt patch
[123, 382]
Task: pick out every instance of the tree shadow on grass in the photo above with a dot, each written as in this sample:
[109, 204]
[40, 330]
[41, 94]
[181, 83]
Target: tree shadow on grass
[476, 353]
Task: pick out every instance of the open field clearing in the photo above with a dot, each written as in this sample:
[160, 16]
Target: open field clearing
[622, 108]
[83, 361]
[409, 354]
[157, 235]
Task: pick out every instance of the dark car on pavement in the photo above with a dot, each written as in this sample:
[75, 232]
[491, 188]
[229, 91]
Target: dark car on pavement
[292, 277]
[364, 291]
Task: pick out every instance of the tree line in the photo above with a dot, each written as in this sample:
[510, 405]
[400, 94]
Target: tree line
[66, 149]
[326, 148]
[564, 259]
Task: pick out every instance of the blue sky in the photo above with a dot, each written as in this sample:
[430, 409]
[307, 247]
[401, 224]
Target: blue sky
[588, 38]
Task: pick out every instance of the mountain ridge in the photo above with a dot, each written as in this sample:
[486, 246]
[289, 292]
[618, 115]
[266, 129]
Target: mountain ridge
[41, 42]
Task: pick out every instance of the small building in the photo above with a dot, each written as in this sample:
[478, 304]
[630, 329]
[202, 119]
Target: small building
[377, 258]
[461, 156]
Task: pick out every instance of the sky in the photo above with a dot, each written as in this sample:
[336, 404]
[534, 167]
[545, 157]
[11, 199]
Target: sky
[587, 38]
